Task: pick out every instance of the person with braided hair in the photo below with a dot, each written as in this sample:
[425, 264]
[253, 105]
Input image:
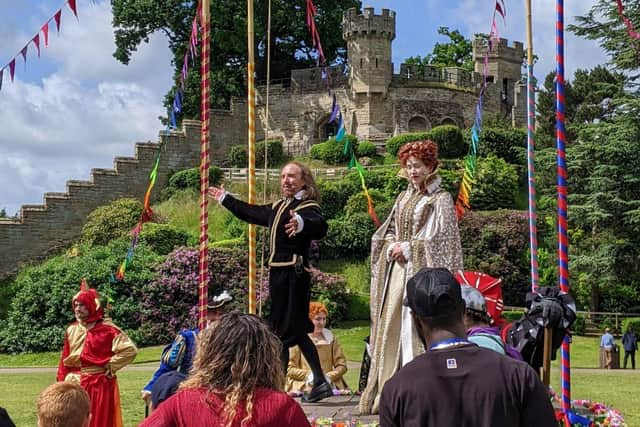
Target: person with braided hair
[421, 231]
[236, 380]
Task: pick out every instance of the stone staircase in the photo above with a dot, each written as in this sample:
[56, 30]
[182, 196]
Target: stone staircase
[42, 230]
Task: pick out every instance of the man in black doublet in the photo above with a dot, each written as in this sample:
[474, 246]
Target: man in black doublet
[293, 221]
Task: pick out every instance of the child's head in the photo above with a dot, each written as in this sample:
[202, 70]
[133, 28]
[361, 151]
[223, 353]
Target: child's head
[63, 404]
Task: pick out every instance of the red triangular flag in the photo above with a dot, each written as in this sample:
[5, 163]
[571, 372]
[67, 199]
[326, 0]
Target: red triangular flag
[56, 17]
[36, 41]
[12, 68]
[45, 32]
[24, 53]
[72, 6]
[499, 10]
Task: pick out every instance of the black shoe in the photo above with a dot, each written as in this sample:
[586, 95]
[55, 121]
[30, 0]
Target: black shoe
[318, 393]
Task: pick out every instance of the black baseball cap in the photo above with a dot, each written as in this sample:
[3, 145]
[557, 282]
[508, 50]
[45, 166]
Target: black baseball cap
[433, 292]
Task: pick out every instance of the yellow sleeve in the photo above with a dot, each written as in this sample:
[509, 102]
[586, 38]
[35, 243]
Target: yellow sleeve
[124, 351]
[295, 370]
[339, 362]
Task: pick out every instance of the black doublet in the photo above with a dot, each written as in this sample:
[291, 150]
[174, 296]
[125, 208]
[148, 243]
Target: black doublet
[289, 291]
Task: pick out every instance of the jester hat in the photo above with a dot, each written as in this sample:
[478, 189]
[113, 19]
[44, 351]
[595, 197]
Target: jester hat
[91, 300]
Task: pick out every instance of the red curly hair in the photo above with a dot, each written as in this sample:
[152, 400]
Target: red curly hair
[315, 308]
[426, 151]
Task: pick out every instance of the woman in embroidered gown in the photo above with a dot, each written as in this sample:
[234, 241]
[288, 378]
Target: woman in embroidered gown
[421, 231]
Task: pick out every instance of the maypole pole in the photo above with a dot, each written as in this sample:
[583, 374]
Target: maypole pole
[563, 240]
[251, 101]
[531, 171]
[204, 166]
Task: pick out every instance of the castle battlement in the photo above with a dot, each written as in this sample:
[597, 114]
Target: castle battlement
[500, 50]
[354, 24]
[453, 76]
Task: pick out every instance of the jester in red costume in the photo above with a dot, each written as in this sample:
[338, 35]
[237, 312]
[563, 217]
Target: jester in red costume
[94, 350]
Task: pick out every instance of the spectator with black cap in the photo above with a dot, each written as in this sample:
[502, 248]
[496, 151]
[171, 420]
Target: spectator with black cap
[177, 357]
[456, 382]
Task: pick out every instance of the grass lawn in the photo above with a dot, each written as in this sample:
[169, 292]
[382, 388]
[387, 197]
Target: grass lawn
[18, 392]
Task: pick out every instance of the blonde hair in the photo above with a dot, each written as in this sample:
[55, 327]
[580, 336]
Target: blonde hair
[63, 404]
[235, 356]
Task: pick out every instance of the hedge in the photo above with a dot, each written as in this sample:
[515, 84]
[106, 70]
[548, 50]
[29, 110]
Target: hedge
[111, 221]
[450, 141]
[496, 185]
[633, 322]
[332, 151]
[190, 179]
[366, 149]
[394, 143]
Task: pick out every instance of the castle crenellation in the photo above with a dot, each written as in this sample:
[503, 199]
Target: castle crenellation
[375, 105]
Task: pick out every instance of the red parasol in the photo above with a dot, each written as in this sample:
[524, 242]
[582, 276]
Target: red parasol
[489, 287]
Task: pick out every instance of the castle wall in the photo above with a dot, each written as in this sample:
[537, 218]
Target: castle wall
[50, 227]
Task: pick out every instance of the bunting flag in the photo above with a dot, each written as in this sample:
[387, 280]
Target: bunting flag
[471, 161]
[176, 108]
[336, 115]
[36, 39]
[627, 22]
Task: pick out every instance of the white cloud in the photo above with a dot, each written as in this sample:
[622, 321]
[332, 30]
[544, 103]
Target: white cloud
[80, 116]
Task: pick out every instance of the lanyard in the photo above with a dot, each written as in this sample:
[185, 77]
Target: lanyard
[451, 342]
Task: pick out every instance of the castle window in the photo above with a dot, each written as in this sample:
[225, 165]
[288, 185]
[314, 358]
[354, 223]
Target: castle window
[376, 62]
[418, 124]
[361, 62]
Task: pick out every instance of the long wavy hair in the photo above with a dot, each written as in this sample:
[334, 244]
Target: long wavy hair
[312, 192]
[235, 356]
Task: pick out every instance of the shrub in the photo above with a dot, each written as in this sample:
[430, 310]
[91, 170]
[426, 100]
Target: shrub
[334, 196]
[163, 238]
[169, 302]
[238, 157]
[111, 221]
[332, 151]
[394, 143]
[634, 322]
[366, 148]
[348, 237]
[189, 179]
[41, 308]
[579, 325]
[497, 243]
[275, 153]
[451, 143]
[358, 307]
[496, 186]
[357, 203]
[504, 143]
[331, 290]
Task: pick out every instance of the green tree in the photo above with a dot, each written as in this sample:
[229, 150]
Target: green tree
[457, 52]
[604, 24]
[604, 208]
[3, 213]
[135, 20]
[588, 99]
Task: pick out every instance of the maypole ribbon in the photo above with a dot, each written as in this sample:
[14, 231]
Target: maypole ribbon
[563, 240]
[176, 108]
[470, 162]
[44, 29]
[336, 114]
[627, 22]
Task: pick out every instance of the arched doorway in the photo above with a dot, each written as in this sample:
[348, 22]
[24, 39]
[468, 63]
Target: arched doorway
[449, 121]
[418, 124]
[325, 129]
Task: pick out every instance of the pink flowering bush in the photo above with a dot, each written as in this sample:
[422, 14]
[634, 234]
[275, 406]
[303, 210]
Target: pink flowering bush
[169, 302]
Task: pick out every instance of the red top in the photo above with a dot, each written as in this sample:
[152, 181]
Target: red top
[197, 408]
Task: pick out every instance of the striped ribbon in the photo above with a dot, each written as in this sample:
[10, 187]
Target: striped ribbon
[563, 241]
[252, 185]
[627, 22]
[533, 215]
[336, 114]
[203, 271]
[470, 162]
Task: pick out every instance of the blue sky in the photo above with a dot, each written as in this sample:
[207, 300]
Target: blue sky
[76, 107]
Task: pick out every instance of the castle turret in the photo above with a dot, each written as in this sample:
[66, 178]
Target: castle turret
[369, 38]
[505, 67]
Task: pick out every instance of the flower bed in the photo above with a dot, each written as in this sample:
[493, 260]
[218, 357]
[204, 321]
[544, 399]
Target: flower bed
[585, 412]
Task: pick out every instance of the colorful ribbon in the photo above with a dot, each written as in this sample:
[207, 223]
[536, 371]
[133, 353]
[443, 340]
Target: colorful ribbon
[336, 114]
[470, 162]
[176, 108]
